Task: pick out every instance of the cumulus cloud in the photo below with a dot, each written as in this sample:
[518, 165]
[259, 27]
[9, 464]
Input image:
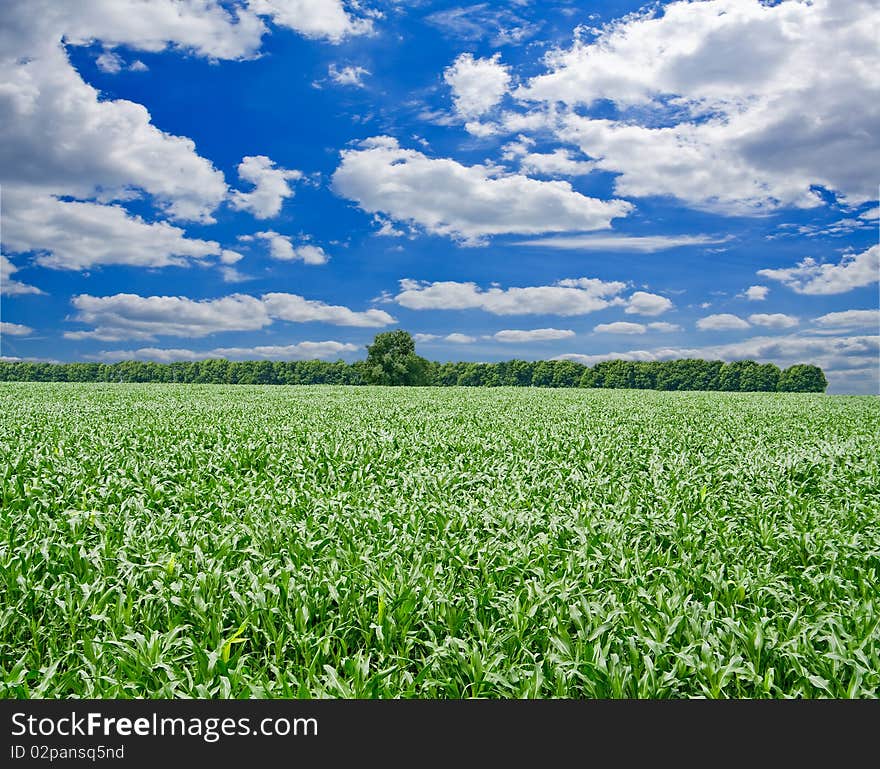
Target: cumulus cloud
[58, 138]
[572, 296]
[755, 293]
[205, 28]
[130, 316]
[14, 329]
[722, 322]
[234, 275]
[349, 75]
[620, 327]
[532, 335]
[295, 308]
[850, 319]
[464, 202]
[456, 338]
[774, 320]
[663, 327]
[326, 19]
[625, 327]
[271, 186]
[281, 247]
[110, 62]
[10, 287]
[477, 84]
[299, 351]
[560, 162]
[228, 256]
[75, 235]
[812, 277]
[708, 110]
[644, 303]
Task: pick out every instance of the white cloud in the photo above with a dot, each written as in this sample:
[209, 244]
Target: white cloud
[812, 277]
[314, 18]
[30, 359]
[205, 28]
[464, 202]
[644, 303]
[233, 275]
[871, 215]
[643, 244]
[774, 320]
[74, 235]
[663, 327]
[312, 254]
[110, 62]
[755, 293]
[573, 296]
[59, 138]
[849, 319]
[425, 337]
[297, 309]
[477, 84]
[15, 329]
[271, 186]
[227, 256]
[835, 229]
[557, 163]
[299, 351]
[459, 339]
[10, 287]
[130, 316]
[501, 26]
[722, 322]
[479, 129]
[348, 76]
[720, 89]
[620, 327]
[532, 335]
[281, 248]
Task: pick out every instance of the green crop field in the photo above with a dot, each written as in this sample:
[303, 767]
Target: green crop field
[238, 541]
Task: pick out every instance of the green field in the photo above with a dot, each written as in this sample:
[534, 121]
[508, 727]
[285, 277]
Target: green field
[238, 541]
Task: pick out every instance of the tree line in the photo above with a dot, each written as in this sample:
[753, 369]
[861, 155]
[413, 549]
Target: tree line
[391, 360]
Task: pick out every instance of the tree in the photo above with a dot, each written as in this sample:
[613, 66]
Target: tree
[567, 373]
[392, 360]
[802, 378]
[543, 374]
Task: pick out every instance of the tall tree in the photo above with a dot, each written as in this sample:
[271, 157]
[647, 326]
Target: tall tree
[392, 360]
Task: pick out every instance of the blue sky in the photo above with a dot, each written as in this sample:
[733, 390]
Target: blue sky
[282, 180]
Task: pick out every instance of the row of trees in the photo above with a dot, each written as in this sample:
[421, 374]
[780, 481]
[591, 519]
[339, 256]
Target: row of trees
[668, 375]
[392, 359]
